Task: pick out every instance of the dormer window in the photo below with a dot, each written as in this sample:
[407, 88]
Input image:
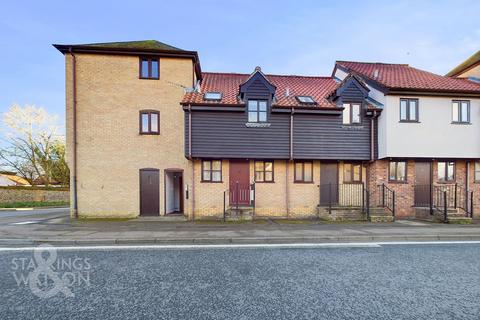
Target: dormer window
[257, 110]
[212, 96]
[306, 99]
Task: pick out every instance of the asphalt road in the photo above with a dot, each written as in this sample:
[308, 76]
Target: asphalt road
[427, 281]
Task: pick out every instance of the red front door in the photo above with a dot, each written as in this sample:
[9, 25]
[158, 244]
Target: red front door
[239, 182]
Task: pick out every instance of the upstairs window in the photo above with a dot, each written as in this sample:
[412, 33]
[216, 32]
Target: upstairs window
[351, 113]
[461, 111]
[212, 96]
[211, 171]
[409, 110]
[149, 68]
[477, 171]
[306, 100]
[149, 122]
[257, 110]
[352, 173]
[303, 171]
[446, 171]
[397, 171]
[263, 171]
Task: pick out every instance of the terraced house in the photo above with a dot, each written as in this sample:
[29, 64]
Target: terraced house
[149, 133]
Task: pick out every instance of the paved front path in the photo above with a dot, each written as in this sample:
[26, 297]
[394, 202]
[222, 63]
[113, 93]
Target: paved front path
[378, 282]
[55, 226]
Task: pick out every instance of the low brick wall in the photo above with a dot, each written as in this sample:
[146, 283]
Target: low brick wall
[21, 194]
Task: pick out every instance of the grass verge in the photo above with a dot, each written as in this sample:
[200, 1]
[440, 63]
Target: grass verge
[35, 204]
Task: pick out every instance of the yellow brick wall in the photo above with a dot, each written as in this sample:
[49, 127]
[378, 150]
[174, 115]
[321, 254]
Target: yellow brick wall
[304, 197]
[209, 195]
[270, 197]
[110, 150]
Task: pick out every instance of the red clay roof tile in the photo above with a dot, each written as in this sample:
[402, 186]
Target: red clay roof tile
[403, 76]
[228, 84]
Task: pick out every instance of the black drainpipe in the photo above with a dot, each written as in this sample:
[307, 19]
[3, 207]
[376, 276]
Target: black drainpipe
[74, 90]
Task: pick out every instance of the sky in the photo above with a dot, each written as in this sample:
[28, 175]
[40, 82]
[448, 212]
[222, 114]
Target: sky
[283, 37]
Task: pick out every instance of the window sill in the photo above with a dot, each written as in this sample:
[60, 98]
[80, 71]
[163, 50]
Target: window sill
[452, 182]
[149, 133]
[397, 182]
[257, 124]
[148, 78]
[352, 182]
[461, 123]
[206, 181]
[303, 182]
[264, 181]
[409, 121]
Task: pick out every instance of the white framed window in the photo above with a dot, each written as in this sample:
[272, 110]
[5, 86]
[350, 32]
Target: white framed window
[461, 111]
[408, 110]
[351, 113]
[257, 110]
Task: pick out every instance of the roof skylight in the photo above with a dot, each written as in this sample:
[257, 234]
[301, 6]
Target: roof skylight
[216, 96]
[306, 99]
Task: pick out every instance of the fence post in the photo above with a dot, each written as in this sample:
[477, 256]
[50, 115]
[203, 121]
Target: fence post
[383, 194]
[455, 197]
[330, 198]
[445, 206]
[254, 198]
[431, 199]
[393, 209]
[471, 204]
[238, 195]
[368, 204]
[224, 206]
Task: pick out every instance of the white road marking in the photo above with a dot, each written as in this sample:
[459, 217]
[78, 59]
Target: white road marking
[245, 246]
[24, 222]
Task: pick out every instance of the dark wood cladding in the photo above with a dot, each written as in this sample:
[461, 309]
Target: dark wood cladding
[315, 136]
[225, 135]
[325, 137]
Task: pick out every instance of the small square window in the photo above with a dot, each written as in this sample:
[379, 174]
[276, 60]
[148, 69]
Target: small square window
[214, 96]
[409, 110]
[257, 110]
[397, 171]
[303, 171]
[263, 171]
[461, 111]
[477, 171]
[149, 68]
[211, 171]
[306, 99]
[149, 122]
[446, 171]
[351, 113]
[352, 172]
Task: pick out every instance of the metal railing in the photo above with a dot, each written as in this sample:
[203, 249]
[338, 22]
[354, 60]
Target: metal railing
[241, 194]
[386, 198]
[440, 201]
[343, 195]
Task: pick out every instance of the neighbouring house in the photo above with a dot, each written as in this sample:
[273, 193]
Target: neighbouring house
[149, 133]
[8, 179]
[469, 69]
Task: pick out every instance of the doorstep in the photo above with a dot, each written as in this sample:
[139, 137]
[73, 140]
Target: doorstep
[165, 218]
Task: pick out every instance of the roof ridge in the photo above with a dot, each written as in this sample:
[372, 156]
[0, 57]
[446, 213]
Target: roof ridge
[382, 63]
[267, 74]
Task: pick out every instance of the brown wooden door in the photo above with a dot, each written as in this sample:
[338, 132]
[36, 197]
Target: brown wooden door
[328, 183]
[149, 192]
[422, 184]
[239, 184]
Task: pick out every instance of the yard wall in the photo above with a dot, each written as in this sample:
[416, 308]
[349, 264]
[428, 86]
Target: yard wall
[23, 194]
